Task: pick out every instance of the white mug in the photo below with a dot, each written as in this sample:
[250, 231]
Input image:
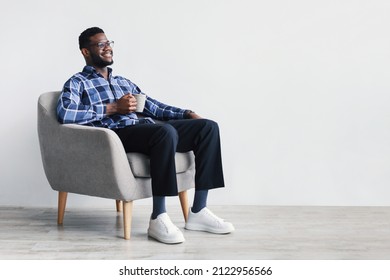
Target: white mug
[141, 99]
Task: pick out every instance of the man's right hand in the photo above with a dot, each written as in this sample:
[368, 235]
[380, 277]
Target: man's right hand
[126, 104]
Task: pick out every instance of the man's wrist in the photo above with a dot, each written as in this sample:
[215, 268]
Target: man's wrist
[111, 108]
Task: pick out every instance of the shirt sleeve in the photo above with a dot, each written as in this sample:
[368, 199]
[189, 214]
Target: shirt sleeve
[161, 111]
[70, 109]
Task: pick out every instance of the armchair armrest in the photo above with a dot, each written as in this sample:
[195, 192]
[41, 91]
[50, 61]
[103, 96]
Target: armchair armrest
[87, 160]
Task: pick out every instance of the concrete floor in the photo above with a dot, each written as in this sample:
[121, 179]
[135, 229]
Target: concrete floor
[262, 232]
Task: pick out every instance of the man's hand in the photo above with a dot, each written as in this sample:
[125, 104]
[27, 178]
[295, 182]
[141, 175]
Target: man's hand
[193, 115]
[126, 104]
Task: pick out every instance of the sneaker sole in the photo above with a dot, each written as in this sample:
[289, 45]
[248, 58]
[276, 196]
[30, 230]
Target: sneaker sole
[163, 240]
[197, 227]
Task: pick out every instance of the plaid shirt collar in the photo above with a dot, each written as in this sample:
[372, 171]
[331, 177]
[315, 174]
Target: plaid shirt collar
[90, 70]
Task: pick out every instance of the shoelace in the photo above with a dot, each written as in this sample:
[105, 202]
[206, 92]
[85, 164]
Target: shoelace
[215, 217]
[167, 223]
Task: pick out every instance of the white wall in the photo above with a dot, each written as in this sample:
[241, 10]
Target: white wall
[300, 89]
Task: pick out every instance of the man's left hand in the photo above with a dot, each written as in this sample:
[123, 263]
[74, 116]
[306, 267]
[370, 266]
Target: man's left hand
[194, 115]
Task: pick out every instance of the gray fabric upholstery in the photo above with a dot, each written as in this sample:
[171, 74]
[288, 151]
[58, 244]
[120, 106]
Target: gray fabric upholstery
[140, 164]
[92, 161]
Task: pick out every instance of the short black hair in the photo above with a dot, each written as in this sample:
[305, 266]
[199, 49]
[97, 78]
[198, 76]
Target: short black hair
[86, 34]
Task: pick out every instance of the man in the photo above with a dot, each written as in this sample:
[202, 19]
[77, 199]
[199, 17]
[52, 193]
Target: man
[95, 97]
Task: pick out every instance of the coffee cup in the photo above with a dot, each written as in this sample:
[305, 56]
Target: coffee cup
[141, 99]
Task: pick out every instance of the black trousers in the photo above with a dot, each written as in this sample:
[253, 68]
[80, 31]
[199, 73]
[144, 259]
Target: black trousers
[162, 140]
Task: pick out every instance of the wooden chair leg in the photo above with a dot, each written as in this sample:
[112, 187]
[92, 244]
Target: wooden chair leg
[62, 196]
[183, 196]
[118, 206]
[127, 216]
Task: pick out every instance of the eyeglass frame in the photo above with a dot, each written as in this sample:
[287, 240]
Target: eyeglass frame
[103, 45]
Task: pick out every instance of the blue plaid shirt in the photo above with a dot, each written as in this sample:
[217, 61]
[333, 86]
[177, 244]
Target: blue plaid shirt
[85, 95]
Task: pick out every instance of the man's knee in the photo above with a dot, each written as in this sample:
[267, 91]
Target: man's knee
[167, 132]
[210, 125]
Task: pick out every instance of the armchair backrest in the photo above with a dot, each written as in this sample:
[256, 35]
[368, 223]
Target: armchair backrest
[48, 130]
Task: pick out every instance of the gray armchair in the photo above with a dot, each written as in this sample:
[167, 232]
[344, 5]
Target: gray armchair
[92, 161]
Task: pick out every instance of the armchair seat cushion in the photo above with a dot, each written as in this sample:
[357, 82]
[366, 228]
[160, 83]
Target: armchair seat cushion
[140, 163]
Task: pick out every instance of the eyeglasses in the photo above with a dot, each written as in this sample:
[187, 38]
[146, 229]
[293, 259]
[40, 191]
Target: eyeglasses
[102, 45]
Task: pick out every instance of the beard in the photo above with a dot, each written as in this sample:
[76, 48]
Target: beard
[99, 62]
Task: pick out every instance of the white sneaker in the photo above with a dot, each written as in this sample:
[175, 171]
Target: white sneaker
[163, 230]
[205, 220]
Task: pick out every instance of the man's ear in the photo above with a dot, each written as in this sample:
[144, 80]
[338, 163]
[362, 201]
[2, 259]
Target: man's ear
[85, 52]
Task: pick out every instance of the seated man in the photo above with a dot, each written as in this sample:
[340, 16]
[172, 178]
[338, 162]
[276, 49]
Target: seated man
[95, 97]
